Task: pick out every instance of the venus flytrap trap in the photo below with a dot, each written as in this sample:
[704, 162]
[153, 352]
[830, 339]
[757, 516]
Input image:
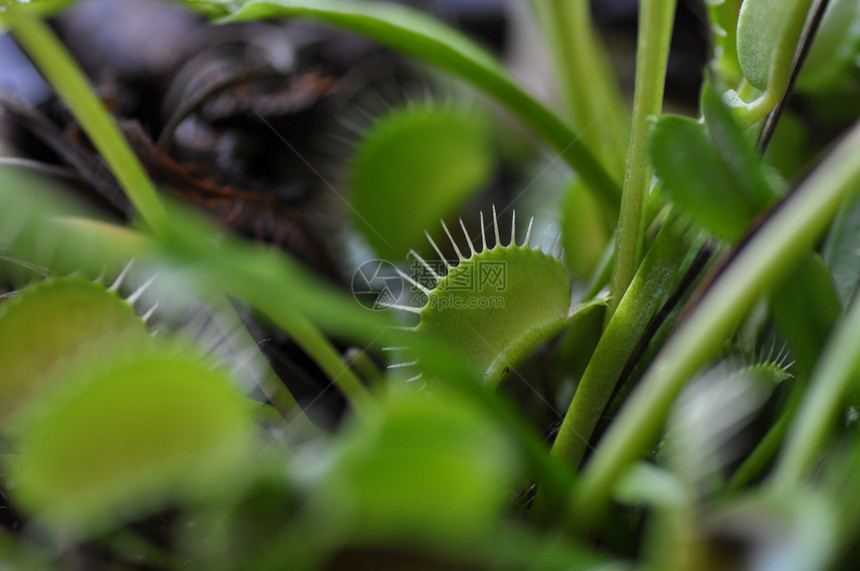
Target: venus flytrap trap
[498, 303]
[441, 155]
[79, 368]
[124, 437]
[51, 323]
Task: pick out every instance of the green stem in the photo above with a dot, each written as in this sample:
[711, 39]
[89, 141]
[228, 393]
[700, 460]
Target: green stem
[229, 322]
[364, 365]
[587, 84]
[829, 387]
[782, 240]
[655, 30]
[62, 72]
[640, 303]
[326, 356]
[52, 59]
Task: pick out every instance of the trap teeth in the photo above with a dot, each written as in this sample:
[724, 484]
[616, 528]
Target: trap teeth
[528, 232]
[453, 243]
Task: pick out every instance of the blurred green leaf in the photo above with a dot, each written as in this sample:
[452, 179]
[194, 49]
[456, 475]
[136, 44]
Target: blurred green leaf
[430, 467]
[39, 226]
[45, 231]
[415, 165]
[841, 249]
[44, 327]
[130, 431]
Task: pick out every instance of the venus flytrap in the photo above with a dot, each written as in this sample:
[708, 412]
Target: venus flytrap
[440, 154]
[91, 453]
[527, 295]
[47, 326]
[375, 484]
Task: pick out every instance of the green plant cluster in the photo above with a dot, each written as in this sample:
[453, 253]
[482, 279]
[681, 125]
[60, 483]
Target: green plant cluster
[699, 329]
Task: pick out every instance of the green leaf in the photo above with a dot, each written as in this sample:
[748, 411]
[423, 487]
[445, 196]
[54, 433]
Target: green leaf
[736, 149]
[423, 37]
[697, 178]
[840, 249]
[413, 167]
[46, 326]
[131, 431]
[430, 466]
[768, 31]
